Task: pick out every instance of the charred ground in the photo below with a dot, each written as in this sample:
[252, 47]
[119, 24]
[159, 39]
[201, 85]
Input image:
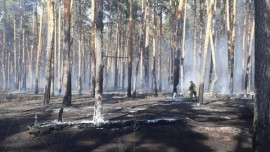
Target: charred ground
[145, 123]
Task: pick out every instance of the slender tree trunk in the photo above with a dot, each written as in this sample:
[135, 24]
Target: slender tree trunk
[233, 44]
[212, 83]
[142, 40]
[124, 59]
[80, 49]
[206, 44]
[261, 122]
[171, 64]
[59, 49]
[147, 45]
[39, 48]
[201, 30]
[160, 48]
[15, 57]
[195, 36]
[183, 49]
[135, 79]
[66, 53]
[244, 45]
[179, 31]
[130, 49]
[213, 56]
[231, 21]
[53, 68]
[24, 60]
[93, 56]
[50, 48]
[223, 18]
[4, 51]
[154, 50]
[99, 62]
[99, 48]
[248, 69]
[117, 52]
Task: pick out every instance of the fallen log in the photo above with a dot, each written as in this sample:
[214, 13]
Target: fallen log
[41, 130]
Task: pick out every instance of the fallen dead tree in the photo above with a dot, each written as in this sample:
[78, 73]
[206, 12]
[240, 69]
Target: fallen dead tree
[41, 130]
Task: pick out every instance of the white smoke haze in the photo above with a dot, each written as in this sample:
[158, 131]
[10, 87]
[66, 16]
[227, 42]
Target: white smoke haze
[190, 74]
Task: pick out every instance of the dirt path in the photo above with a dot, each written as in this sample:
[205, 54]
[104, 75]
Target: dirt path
[218, 125]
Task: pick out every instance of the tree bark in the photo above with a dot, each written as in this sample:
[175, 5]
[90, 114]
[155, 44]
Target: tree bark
[99, 62]
[195, 36]
[177, 54]
[80, 49]
[15, 57]
[183, 49]
[160, 48]
[201, 31]
[147, 45]
[66, 53]
[117, 52]
[99, 48]
[50, 48]
[4, 51]
[248, 68]
[231, 22]
[206, 44]
[261, 123]
[93, 56]
[213, 67]
[59, 49]
[154, 50]
[39, 53]
[130, 58]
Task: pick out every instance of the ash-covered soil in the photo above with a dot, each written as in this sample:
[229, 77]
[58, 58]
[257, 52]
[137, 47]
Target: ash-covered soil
[169, 126]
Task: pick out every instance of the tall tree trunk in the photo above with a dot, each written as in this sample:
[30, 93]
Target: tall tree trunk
[195, 37]
[99, 48]
[213, 53]
[130, 49]
[97, 118]
[183, 49]
[15, 57]
[124, 59]
[231, 21]
[53, 67]
[59, 48]
[93, 56]
[80, 49]
[212, 83]
[117, 52]
[178, 44]
[39, 53]
[50, 48]
[142, 40]
[154, 49]
[66, 53]
[244, 45]
[4, 51]
[233, 43]
[201, 30]
[24, 60]
[206, 44]
[171, 64]
[135, 79]
[160, 48]
[147, 45]
[261, 122]
[223, 18]
[248, 68]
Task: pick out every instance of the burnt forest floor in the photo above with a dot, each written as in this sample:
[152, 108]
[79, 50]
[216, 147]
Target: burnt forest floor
[169, 126]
